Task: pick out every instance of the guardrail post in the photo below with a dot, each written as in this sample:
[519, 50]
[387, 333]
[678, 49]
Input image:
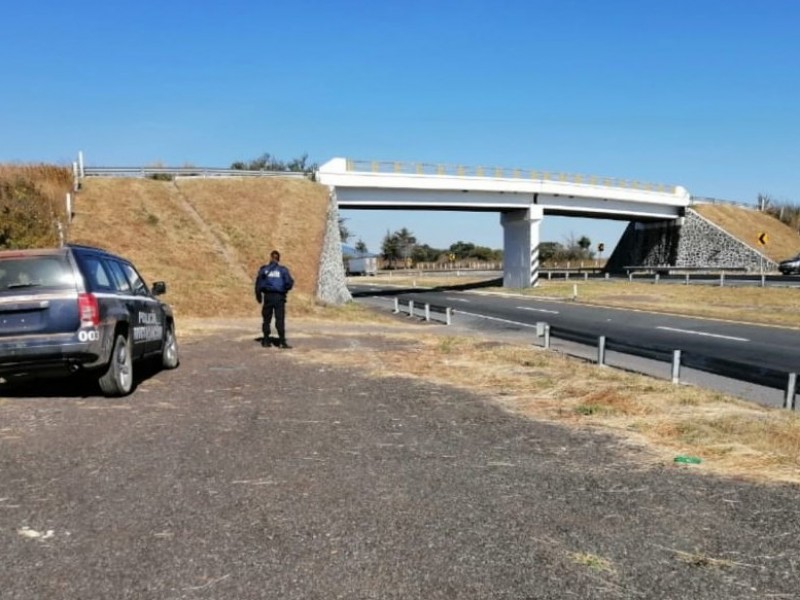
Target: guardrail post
[722, 279]
[396, 305]
[601, 350]
[410, 308]
[630, 276]
[655, 279]
[763, 280]
[566, 275]
[546, 336]
[586, 276]
[687, 279]
[676, 366]
[447, 312]
[427, 312]
[608, 275]
[791, 386]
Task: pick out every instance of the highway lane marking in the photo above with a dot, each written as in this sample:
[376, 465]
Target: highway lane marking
[471, 314]
[541, 310]
[703, 333]
[456, 299]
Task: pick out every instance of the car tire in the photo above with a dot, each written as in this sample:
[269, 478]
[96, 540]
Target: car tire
[118, 378]
[169, 351]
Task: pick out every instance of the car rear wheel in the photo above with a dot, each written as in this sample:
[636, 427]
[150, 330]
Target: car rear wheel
[118, 379]
[169, 353]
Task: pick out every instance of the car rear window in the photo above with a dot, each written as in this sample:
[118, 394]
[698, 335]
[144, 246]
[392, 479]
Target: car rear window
[18, 273]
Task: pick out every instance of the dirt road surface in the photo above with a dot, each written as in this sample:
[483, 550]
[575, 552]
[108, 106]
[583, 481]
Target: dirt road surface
[251, 473]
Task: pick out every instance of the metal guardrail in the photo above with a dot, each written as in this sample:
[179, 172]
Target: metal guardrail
[730, 369]
[427, 310]
[419, 168]
[185, 172]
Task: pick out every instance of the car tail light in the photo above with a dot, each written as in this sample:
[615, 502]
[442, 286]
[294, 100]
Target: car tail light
[89, 310]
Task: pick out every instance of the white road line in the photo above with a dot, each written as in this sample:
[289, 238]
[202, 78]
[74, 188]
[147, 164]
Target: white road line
[541, 310]
[471, 314]
[703, 333]
[456, 299]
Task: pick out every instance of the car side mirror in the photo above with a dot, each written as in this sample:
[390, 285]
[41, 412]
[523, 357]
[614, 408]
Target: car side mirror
[159, 287]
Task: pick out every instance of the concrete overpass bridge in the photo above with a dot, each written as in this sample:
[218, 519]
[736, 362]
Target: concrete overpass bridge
[522, 197]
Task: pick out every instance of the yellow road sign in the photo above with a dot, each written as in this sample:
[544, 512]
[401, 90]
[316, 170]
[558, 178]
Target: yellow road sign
[763, 238]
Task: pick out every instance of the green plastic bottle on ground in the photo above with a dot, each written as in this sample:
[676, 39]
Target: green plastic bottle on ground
[687, 460]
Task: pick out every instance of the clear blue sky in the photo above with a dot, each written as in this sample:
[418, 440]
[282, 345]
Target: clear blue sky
[700, 93]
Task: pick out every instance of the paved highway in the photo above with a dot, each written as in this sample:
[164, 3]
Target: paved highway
[757, 347]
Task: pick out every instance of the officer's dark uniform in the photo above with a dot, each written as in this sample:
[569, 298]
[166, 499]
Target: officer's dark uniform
[273, 282]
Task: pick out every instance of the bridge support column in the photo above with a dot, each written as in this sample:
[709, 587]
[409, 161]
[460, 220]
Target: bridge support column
[521, 247]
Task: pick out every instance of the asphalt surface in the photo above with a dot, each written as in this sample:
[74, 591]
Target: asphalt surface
[251, 473]
[757, 354]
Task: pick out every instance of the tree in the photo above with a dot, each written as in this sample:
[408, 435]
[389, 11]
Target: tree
[462, 249]
[344, 232]
[267, 162]
[405, 242]
[584, 243]
[389, 248]
[361, 247]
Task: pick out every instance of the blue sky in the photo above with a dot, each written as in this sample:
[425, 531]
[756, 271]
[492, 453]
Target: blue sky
[700, 93]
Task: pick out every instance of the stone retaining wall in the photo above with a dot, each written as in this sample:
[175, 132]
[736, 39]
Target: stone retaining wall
[691, 241]
[331, 282]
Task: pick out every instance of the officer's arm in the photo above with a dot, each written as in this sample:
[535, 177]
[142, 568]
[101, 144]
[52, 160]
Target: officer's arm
[258, 292]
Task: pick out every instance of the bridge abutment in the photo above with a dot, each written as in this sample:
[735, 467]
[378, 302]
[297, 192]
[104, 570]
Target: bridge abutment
[521, 247]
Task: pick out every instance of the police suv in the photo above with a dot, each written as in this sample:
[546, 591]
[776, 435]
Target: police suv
[79, 309]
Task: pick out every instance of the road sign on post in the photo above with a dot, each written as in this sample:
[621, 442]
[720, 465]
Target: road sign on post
[763, 238]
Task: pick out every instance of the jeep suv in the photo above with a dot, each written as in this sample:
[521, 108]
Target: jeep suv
[79, 309]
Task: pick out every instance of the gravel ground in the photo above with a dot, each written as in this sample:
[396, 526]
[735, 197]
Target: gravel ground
[249, 473]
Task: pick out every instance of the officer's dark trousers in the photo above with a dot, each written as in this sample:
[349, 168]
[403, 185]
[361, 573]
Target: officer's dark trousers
[274, 302]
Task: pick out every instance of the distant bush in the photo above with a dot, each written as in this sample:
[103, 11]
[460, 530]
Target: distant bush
[267, 162]
[161, 177]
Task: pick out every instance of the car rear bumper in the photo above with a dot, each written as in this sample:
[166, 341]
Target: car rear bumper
[31, 354]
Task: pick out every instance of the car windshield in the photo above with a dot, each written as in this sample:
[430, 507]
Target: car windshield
[35, 271]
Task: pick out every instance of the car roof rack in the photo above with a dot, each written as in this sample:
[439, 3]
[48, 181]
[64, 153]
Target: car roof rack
[87, 247]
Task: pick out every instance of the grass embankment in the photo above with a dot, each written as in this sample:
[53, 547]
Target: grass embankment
[206, 238]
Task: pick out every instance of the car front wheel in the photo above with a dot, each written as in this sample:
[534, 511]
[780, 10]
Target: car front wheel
[118, 379]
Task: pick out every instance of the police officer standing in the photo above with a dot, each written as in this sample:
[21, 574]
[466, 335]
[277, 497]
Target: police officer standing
[273, 282]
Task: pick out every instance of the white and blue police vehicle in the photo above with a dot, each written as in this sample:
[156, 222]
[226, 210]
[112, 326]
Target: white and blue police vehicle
[80, 309]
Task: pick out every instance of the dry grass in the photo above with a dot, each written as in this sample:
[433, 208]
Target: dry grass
[747, 224]
[732, 437]
[208, 263]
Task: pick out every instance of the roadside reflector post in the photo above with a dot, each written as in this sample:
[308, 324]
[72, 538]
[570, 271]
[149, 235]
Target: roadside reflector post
[574, 291]
[427, 312]
[608, 275]
[540, 327]
[601, 350]
[630, 276]
[547, 336]
[549, 275]
[396, 305]
[655, 279]
[566, 275]
[676, 366]
[687, 279]
[586, 276]
[447, 313]
[763, 280]
[410, 308]
[722, 279]
[791, 385]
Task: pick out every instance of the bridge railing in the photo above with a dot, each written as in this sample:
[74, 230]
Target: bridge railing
[421, 168]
